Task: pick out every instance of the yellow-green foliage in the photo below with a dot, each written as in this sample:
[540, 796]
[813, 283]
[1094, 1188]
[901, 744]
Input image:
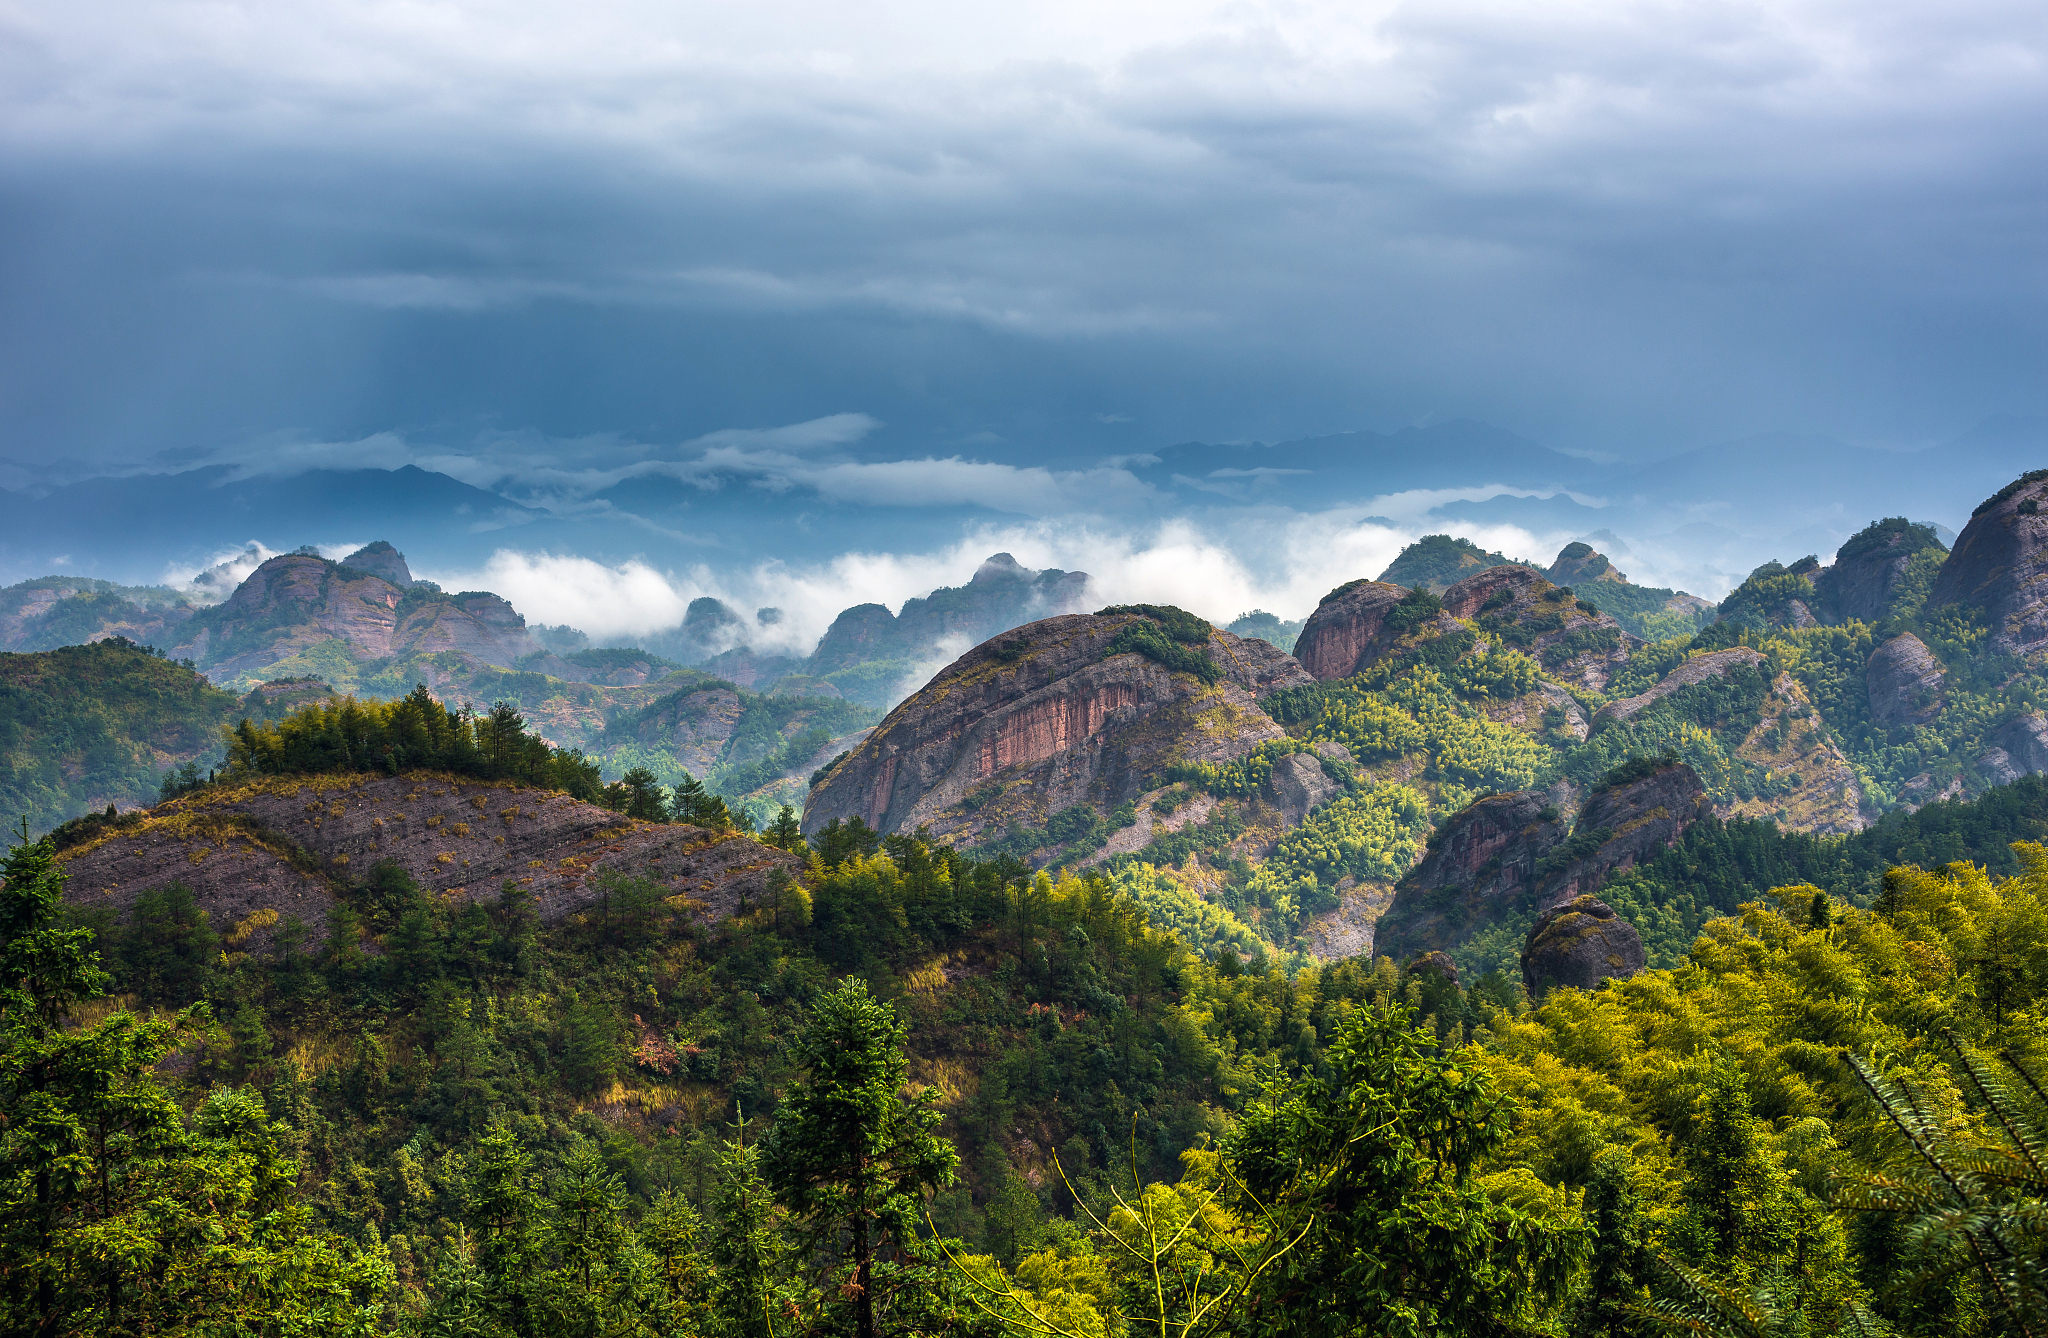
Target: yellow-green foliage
[1176, 909]
[1420, 711]
[1246, 776]
[1501, 675]
[1781, 995]
[1373, 834]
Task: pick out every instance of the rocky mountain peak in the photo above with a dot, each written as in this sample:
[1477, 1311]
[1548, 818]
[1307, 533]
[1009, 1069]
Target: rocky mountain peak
[1519, 607]
[1348, 629]
[1050, 716]
[1578, 563]
[1878, 568]
[1438, 561]
[299, 603]
[1000, 567]
[1002, 594]
[381, 559]
[2000, 566]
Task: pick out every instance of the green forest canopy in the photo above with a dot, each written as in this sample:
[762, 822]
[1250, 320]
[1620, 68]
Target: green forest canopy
[477, 1123]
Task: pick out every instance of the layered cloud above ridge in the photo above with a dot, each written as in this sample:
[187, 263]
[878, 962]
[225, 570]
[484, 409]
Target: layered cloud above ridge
[1175, 563]
[1624, 225]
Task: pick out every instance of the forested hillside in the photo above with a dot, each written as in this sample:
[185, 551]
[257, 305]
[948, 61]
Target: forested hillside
[88, 726]
[451, 1118]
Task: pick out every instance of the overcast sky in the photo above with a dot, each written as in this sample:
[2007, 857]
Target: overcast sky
[1049, 234]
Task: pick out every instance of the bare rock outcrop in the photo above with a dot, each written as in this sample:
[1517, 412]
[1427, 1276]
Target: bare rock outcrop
[2000, 565]
[1580, 945]
[1907, 685]
[381, 559]
[1043, 718]
[1869, 576]
[1621, 827]
[2017, 748]
[1698, 669]
[1348, 630]
[1480, 866]
[287, 845]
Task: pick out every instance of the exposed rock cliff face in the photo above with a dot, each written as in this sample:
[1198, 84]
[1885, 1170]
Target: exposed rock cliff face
[1698, 669]
[381, 559]
[284, 845]
[1621, 828]
[1874, 571]
[293, 603]
[1907, 685]
[1508, 855]
[1578, 945]
[1039, 720]
[1481, 866]
[1348, 630]
[2017, 748]
[2000, 565]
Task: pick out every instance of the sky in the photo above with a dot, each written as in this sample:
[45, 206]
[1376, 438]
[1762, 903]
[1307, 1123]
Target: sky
[944, 271]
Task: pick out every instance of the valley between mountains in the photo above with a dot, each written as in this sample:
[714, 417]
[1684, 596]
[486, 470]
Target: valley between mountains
[1401, 772]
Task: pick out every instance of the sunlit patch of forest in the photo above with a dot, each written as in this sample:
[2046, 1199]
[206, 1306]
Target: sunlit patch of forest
[912, 1092]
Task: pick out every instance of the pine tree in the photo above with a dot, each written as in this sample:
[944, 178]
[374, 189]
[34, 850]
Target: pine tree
[849, 1157]
[116, 1216]
[786, 832]
[747, 1251]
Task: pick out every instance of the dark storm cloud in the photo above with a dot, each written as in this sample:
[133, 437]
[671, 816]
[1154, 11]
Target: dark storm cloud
[544, 245]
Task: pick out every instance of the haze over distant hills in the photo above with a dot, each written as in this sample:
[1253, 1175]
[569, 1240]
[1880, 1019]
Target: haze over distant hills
[804, 519]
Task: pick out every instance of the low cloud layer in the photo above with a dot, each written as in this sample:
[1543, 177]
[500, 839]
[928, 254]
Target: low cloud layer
[1297, 563]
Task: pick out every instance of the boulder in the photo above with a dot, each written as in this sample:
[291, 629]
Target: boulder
[1698, 669]
[1578, 945]
[1043, 718]
[1298, 784]
[1348, 630]
[1479, 868]
[1906, 683]
[1436, 963]
[2000, 565]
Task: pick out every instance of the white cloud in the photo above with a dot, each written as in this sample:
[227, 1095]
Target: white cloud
[1284, 564]
[217, 579]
